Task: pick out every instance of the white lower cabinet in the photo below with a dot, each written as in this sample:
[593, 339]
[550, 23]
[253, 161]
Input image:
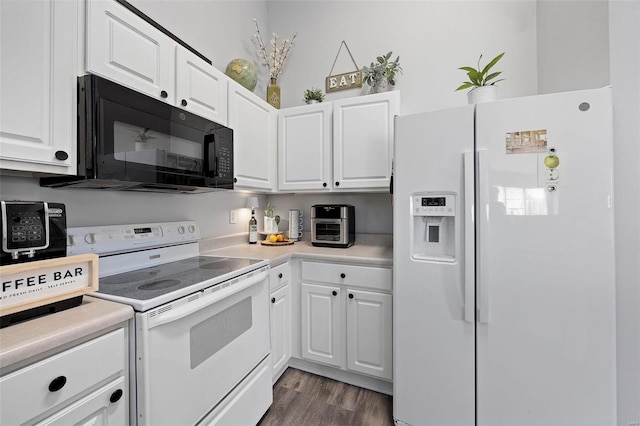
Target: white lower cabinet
[346, 317]
[98, 408]
[321, 323]
[369, 344]
[280, 299]
[87, 384]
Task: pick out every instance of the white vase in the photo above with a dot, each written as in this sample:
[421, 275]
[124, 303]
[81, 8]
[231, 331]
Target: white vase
[270, 225]
[482, 94]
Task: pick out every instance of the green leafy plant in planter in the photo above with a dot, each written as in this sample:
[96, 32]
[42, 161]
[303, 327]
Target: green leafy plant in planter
[313, 94]
[478, 77]
[382, 73]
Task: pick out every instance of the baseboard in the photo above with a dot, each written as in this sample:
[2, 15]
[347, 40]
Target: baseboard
[355, 379]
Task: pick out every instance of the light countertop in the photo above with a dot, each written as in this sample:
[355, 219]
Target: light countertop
[371, 252]
[31, 338]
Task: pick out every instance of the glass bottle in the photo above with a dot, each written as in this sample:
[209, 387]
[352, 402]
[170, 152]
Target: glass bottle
[253, 228]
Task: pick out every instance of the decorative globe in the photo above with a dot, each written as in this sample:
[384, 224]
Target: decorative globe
[243, 72]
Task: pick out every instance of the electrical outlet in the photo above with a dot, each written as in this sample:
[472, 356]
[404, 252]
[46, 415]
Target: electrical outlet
[232, 216]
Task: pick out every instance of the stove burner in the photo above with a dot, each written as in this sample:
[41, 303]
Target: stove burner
[220, 264]
[131, 277]
[159, 285]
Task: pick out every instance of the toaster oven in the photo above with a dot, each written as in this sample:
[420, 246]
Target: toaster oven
[333, 225]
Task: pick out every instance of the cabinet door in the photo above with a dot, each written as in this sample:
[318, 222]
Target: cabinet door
[106, 406]
[321, 324]
[254, 123]
[304, 147]
[38, 69]
[200, 88]
[363, 140]
[124, 48]
[280, 330]
[369, 339]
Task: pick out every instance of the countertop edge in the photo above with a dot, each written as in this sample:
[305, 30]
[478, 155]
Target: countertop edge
[29, 339]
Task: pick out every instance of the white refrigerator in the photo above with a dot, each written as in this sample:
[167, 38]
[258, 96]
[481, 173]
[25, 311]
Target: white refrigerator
[504, 293]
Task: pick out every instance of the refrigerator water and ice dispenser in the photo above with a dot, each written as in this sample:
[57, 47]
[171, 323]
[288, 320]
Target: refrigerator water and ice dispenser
[434, 216]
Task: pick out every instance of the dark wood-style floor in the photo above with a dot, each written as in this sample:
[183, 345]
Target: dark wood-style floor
[305, 399]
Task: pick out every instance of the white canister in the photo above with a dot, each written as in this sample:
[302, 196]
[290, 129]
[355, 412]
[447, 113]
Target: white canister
[295, 225]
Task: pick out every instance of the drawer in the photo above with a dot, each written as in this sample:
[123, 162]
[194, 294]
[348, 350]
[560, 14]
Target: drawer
[370, 277]
[279, 276]
[32, 390]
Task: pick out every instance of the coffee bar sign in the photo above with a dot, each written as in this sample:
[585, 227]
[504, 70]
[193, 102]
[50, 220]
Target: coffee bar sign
[32, 284]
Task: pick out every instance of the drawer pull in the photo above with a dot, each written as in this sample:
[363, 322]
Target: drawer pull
[343, 275]
[280, 275]
[335, 293]
[57, 384]
[115, 397]
[273, 300]
[350, 296]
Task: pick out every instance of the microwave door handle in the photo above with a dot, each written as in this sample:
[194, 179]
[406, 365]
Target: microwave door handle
[209, 148]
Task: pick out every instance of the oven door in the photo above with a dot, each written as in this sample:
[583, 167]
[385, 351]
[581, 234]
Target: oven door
[194, 351]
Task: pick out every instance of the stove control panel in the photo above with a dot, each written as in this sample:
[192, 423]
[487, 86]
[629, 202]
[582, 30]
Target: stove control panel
[123, 238]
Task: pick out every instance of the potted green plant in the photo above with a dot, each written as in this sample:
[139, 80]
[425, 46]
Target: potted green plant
[482, 82]
[142, 139]
[381, 75]
[313, 95]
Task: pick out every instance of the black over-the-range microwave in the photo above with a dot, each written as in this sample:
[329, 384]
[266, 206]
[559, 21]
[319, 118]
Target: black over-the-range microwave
[130, 141]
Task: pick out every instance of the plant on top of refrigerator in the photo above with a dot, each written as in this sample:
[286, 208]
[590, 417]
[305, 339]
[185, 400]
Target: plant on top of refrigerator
[481, 77]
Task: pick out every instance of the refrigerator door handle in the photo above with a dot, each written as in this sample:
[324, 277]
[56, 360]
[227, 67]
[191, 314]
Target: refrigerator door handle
[469, 237]
[483, 237]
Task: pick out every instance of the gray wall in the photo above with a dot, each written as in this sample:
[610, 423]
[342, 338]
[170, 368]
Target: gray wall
[433, 39]
[573, 45]
[624, 22]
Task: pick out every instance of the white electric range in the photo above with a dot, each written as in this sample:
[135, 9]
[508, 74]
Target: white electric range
[200, 347]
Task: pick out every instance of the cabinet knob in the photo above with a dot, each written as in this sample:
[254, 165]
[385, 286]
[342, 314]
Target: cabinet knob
[335, 293]
[115, 396]
[273, 300]
[350, 295]
[61, 155]
[337, 183]
[324, 184]
[343, 275]
[164, 94]
[184, 102]
[280, 275]
[57, 384]
[235, 180]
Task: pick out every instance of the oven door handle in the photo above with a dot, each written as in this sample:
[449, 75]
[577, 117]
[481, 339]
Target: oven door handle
[191, 307]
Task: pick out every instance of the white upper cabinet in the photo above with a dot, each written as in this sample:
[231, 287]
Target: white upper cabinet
[38, 77]
[363, 140]
[200, 88]
[304, 147]
[341, 145]
[125, 48]
[254, 123]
